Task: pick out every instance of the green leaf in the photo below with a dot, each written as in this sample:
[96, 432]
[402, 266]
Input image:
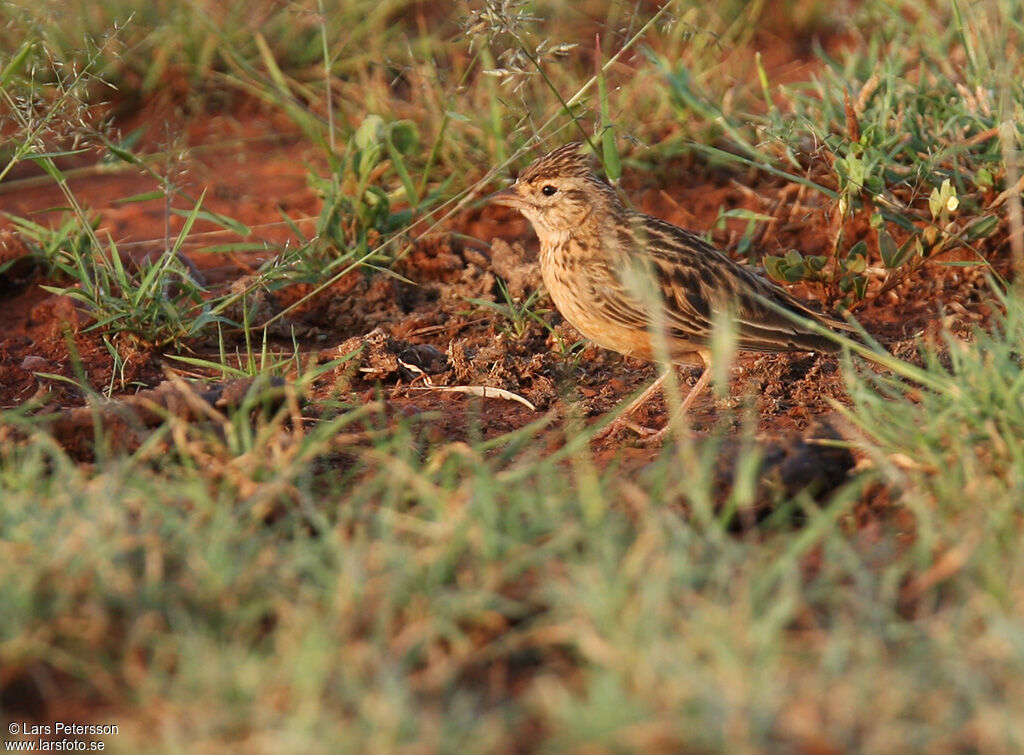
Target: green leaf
[887, 248]
[795, 273]
[267, 55]
[852, 168]
[610, 155]
[143, 197]
[235, 226]
[981, 227]
[855, 263]
[366, 161]
[241, 246]
[189, 222]
[774, 266]
[12, 68]
[370, 132]
[741, 213]
[48, 165]
[860, 249]
[609, 152]
[874, 184]
[123, 154]
[404, 136]
[893, 256]
[403, 174]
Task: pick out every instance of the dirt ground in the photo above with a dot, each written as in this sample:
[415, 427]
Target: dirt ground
[254, 168]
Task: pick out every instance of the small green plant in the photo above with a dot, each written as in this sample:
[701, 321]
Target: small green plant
[248, 363]
[156, 301]
[57, 246]
[518, 313]
[359, 214]
[884, 142]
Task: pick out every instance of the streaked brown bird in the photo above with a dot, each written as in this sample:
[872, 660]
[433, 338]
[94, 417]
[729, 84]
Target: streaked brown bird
[619, 276]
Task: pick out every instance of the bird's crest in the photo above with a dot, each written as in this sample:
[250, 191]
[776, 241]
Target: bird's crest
[567, 160]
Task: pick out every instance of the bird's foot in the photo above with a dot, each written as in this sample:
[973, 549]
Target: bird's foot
[623, 422]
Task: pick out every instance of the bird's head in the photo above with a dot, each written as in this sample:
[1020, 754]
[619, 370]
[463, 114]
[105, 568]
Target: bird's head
[557, 192]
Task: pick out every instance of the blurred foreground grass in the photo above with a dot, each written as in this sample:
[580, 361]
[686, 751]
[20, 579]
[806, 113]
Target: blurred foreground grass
[283, 591]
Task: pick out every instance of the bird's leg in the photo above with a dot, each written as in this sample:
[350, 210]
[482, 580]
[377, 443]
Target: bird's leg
[650, 435]
[698, 388]
[623, 419]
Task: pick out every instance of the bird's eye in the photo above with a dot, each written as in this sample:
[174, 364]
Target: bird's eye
[548, 190]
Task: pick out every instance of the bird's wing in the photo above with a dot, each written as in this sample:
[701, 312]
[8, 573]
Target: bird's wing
[696, 283]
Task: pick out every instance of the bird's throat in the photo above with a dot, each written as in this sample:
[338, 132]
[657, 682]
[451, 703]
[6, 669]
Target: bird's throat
[554, 238]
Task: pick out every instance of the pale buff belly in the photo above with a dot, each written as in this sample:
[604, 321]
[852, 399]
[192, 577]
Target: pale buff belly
[577, 304]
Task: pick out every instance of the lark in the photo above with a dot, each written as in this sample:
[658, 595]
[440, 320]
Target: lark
[635, 284]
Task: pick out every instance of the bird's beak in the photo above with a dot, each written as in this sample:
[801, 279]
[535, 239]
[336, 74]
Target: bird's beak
[507, 197]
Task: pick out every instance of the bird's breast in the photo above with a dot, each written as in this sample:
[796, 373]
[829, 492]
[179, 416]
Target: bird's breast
[581, 287]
